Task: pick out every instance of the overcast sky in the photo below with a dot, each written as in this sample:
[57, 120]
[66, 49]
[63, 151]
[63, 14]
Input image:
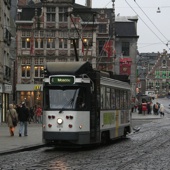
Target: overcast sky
[153, 28]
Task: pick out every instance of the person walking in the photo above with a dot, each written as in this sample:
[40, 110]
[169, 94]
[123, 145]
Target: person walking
[11, 113]
[39, 114]
[161, 110]
[23, 116]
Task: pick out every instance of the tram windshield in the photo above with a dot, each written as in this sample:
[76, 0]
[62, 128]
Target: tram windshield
[64, 98]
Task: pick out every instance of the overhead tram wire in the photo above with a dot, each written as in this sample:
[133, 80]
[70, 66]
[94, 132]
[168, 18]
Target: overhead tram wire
[151, 21]
[146, 24]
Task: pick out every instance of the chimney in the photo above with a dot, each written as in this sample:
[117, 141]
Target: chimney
[89, 3]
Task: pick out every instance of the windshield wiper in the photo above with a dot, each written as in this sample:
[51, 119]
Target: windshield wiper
[70, 102]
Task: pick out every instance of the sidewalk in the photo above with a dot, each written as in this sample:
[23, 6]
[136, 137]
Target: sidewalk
[34, 139]
[15, 143]
[138, 116]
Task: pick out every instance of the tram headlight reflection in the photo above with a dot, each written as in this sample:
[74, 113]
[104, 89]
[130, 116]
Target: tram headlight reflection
[59, 121]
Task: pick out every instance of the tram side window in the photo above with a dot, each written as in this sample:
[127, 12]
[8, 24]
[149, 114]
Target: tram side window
[117, 99]
[121, 100]
[128, 99]
[46, 99]
[81, 99]
[113, 99]
[125, 96]
[107, 98]
[102, 97]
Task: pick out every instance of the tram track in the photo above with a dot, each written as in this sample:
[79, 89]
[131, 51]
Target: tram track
[142, 150]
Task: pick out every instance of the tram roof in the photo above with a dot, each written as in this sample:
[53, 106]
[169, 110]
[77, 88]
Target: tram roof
[69, 68]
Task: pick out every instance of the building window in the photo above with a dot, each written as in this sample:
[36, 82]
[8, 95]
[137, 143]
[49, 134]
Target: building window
[163, 85]
[102, 28]
[51, 14]
[41, 61]
[39, 43]
[157, 74]
[26, 33]
[38, 61]
[38, 71]
[25, 42]
[100, 47]
[26, 61]
[164, 63]
[50, 43]
[62, 14]
[164, 74]
[125, 48]
[26, 71]
[76, 42]
[62, 43]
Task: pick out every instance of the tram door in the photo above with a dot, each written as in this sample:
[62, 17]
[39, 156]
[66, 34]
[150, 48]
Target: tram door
[95, 109]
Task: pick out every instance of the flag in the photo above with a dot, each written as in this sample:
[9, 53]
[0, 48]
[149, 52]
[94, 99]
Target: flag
[108, 48]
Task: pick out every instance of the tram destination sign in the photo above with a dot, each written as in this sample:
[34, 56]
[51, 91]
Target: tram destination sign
[62, 80]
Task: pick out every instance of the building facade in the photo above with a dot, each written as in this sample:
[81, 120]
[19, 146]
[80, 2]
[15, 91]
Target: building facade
[5, 57]
[158, 77]
[58, 31]
[126, 48]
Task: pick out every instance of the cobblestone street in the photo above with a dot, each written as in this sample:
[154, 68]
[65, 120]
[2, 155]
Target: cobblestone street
[147, 149]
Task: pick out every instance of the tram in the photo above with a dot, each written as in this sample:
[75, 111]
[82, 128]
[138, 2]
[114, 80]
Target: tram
[82, 105]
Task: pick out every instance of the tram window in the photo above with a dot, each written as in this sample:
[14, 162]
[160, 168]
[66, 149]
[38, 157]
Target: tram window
[62, 99]
[125, 96]
[107, 98]
[46, 99]
[121, 100]
[117, 99]
[102, 97]
[113, 99]
[81, 99]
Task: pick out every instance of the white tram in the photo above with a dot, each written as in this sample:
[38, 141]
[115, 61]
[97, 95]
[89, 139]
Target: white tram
[82, 105]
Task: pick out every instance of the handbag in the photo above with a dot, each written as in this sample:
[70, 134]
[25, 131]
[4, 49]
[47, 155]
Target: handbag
[14, 120]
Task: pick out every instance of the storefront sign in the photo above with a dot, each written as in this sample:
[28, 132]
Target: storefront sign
[7, 88]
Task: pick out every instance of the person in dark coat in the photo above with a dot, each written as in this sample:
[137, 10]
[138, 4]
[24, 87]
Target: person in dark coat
[23, 116]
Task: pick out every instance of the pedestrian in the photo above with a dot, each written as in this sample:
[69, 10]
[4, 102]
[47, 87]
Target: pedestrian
[23, 116]
[155, 108]
[39, 114]
[149, 107]
[161, 110]
[11, 113]
[144, 107]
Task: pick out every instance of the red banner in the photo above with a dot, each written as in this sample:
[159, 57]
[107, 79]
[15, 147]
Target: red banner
[125, 66]
[108, 48]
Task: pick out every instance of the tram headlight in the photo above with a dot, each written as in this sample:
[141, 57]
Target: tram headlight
[59, 121]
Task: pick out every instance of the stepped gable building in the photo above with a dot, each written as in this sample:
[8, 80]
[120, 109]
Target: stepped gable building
[145, 62]
[158, 78]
